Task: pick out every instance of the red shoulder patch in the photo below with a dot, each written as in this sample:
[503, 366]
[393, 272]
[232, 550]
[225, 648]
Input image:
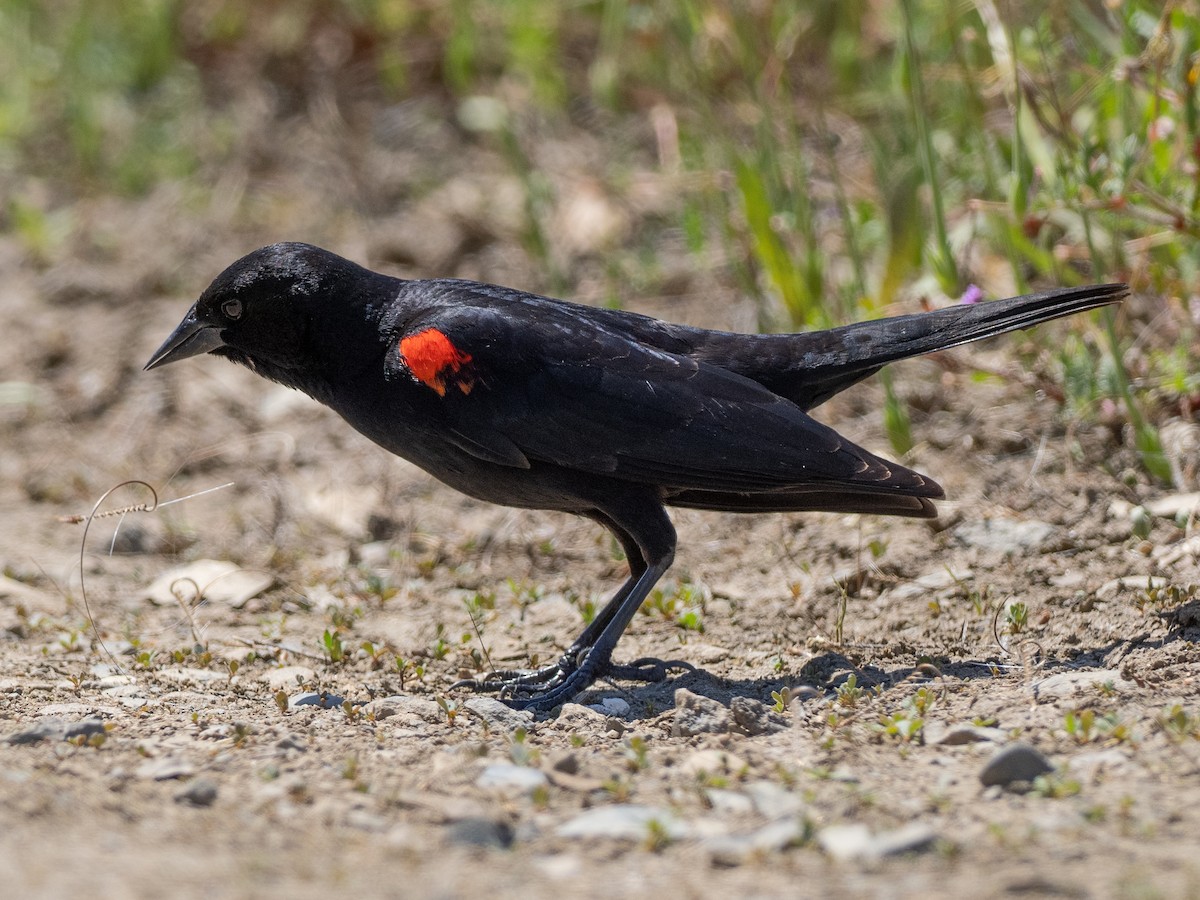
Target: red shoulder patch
[433, 359]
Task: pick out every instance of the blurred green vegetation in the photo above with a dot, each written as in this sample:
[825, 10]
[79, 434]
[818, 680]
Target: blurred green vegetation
[838, 152]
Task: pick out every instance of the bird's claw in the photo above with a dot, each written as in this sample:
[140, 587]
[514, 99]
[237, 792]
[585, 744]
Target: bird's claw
[545, 688]
[508, 683]
[648, 669]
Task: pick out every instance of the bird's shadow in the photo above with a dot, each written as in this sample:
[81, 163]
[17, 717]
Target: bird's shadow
[825, 673]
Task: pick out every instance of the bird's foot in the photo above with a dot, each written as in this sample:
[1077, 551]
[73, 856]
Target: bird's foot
[509, 682]
[543, 689]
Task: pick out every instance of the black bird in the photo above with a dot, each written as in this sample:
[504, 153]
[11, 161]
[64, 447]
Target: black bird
[532, 402]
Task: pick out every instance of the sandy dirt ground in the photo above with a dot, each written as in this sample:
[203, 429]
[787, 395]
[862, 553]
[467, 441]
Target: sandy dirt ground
[247, 693]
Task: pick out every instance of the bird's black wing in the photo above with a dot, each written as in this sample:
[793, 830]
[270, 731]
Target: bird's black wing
[531, 381]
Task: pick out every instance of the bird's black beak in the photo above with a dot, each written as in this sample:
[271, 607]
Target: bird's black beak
[191, 338]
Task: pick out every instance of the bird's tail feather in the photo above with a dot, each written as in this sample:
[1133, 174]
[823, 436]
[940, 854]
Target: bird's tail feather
[810, 368]
[839, 501]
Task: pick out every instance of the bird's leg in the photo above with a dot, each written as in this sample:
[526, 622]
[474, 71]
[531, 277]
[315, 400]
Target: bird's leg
[596, 660]
[509, 680]
[640, 523]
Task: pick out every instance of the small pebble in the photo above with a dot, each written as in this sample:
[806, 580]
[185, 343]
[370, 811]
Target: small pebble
[624, 821]
[845, 842]
[479, 832]
[499, 716]
[220, 582]
[1014, 763]
[938, 734]
[405, 707]
[712, 762]
[201, 792]
[287, 677]
[58, 730]
[1065, 685]
[773, 801]
[855, 841]
[165, 769]
[695, 714]
[729, 803]
[737, 850]
[753, 717]
[506, 778]
[1005, 535]
[611, 706]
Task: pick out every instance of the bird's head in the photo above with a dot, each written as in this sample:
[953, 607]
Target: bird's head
[281, 311]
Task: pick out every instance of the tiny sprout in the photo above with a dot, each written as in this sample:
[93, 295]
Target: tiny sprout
[657, 836]
[450, 708]
[332, 643]
[1142, 523]
[1017, 617]
[636, 751]
[1179, 724]
[782, 698]
[1055, 787]
[849, 692]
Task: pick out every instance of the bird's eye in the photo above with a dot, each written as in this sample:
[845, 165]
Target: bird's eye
[232, 308]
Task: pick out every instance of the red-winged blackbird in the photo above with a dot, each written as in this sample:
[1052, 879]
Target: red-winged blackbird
[532, 402]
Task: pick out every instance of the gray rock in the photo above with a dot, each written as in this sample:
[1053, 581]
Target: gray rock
[1092, 765]
[506, 778]
[940, 734]
[1005, 535]
[736, 850]
[1015, 763]
[367, 820]
[566, 762]
[773, 801]
[711, 762]
[611, 706]
[54, 729]
[624, 821]
[375, 555]
[844, 842]
[288, 677]
[480, 832]
[729, 803]
[754, 717]
[201, 792]
[405, 707]
[165, 769]
[1173, 505]
[1065, 685]
[216, 580]
[60, 711]
[191, 675]
[575, 715]
[291, 742]
[499, 716]
[1131, 584]
[698, 715]
[929, 583]
[911, 838]
[855, 841]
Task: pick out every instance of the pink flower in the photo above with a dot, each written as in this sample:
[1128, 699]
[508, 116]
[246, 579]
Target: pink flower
[973, 294]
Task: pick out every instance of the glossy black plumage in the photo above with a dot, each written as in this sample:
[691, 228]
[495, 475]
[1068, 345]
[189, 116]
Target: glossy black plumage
[533, 402]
